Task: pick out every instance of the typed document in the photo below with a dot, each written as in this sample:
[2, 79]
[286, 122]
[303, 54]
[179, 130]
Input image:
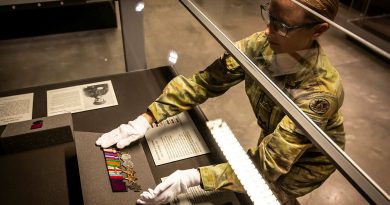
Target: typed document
[174, 139]
[16, 108]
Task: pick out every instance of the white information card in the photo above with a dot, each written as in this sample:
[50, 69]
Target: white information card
[16, 108]
[81, 98]
[174, 139]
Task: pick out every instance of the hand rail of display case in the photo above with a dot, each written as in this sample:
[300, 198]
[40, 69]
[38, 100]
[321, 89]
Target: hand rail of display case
[355, 175]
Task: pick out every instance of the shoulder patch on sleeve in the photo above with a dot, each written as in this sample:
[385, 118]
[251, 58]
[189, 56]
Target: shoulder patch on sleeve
[231, 64]
[319, 105]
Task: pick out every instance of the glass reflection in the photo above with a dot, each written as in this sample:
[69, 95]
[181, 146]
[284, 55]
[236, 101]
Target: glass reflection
[282, 65]
[139, 7]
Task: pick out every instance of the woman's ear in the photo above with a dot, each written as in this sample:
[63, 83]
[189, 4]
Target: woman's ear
[319, 30]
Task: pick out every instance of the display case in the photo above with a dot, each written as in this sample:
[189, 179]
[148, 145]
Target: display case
[28, 18]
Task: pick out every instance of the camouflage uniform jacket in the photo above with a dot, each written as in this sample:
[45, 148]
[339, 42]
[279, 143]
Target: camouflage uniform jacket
[291, 164]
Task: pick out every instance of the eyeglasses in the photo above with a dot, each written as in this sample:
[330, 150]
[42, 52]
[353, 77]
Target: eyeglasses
[280, 27]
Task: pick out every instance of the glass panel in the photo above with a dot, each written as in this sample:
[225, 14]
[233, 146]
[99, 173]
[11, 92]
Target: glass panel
[363, 89]
[58, 42]
[177, 30]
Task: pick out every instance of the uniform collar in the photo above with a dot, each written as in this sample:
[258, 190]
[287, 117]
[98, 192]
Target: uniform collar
[302, 63]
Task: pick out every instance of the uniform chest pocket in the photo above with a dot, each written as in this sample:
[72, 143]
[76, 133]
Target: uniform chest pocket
[276, 116]
[264, 110]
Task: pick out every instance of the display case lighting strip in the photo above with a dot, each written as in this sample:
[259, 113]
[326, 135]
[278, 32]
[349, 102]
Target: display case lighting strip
[351, 171]
[255, 186]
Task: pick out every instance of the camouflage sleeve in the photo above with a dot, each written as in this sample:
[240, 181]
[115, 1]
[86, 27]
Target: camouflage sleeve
[253, 45]
[219, 176]
[185, 93]
[278, 151]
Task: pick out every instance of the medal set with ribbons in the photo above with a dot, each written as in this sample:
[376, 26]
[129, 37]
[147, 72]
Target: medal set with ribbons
[120, 171]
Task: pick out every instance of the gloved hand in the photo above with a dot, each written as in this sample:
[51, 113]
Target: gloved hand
[176, 183]
[125, 133]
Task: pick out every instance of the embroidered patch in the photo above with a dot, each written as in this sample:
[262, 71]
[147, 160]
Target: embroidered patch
[319, 105]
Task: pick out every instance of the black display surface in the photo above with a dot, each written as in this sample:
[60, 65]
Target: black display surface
[37, 133]
[95, 182]
[50, 175]
[134, 92]
[41, 176]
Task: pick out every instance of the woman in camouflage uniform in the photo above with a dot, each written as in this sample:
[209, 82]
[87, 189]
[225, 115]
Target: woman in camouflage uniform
[289, 53]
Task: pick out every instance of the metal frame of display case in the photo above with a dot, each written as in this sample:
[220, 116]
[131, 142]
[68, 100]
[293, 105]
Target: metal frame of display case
[132, 35]
[355, 175]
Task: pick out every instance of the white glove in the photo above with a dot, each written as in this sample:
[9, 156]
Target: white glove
[125, 133]
[176, 183]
